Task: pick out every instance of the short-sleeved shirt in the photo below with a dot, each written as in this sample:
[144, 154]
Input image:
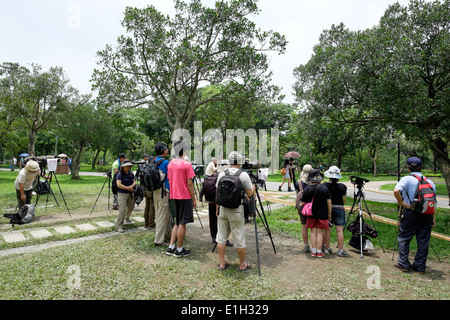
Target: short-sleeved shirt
[115, 165]
[337, 190]
[126, 180]
[408, 186]
[178, 171]
[246, 184]
[320, 206]
[163, 167]
[26, 178]
[210, 169]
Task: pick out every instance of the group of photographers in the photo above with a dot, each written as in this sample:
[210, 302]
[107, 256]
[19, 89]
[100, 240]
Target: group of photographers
[176, 198]
[327, 210]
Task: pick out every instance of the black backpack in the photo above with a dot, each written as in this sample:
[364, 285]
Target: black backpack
[230, 190]
[209, 189]
[43, 187]
[150, 177]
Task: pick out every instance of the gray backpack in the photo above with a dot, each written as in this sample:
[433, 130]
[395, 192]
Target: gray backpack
[23, 216]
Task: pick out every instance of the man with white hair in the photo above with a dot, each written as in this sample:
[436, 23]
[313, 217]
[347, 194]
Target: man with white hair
[231, 220]
[212, 167]
[24, 182]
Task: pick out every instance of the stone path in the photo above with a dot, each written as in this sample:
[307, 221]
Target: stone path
[24, 235]
[27, 234]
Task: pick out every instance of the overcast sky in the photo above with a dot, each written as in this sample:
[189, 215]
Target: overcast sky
[68, 33]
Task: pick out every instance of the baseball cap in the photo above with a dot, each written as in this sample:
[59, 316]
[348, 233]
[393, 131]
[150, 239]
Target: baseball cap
[414, 161]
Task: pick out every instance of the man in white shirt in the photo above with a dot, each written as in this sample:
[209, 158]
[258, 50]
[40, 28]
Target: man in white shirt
[212, 167]
[231, 220]
[24, 182]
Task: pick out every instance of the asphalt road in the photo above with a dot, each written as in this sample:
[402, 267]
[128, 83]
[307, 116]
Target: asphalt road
[370, 191]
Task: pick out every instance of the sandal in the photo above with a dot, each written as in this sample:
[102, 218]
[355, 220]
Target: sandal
[247, 266]
[220, 268]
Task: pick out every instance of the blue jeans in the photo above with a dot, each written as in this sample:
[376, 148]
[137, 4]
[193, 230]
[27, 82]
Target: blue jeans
[419, 225]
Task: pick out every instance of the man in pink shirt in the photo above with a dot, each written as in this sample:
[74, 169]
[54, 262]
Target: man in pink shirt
[182, 196]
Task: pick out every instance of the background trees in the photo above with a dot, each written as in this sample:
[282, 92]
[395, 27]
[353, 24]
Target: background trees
[361, 95]
[163, 62]
[395, 76]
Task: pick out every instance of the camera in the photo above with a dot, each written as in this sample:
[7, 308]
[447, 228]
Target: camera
[359, 182]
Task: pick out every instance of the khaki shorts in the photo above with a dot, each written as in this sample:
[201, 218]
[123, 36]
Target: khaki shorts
[231, 221]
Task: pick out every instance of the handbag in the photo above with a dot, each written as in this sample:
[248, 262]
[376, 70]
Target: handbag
[307, 208]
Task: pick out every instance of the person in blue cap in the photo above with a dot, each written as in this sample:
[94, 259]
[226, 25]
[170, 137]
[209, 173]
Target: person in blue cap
[412, 223]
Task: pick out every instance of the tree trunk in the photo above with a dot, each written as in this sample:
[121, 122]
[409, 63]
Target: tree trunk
[373, 156]
[94, 161]
[440, 152]
[76, 163]
[32, 142]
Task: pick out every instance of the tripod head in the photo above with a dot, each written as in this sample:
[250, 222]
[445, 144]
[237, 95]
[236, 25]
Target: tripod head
[358, 182]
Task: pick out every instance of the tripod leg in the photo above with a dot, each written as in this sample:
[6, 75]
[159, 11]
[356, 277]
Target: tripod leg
[266, 224]
[198, 216]
[350, 212]
[57, 182]
[99, 196]
[373, 224]
[256, 235]
[360, 229]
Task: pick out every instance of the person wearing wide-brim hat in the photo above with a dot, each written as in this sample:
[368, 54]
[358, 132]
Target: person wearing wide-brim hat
[125, 190]
[319, 195]
[24, 182]
[338, 193]
[304, 175]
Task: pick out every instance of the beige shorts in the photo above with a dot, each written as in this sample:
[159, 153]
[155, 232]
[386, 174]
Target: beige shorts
[231, 221]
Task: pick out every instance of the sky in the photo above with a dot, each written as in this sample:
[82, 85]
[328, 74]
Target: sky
[69, 33]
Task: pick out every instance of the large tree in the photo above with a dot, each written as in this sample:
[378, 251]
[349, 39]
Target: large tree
[162, 62]
[35, 96]
[396, 74]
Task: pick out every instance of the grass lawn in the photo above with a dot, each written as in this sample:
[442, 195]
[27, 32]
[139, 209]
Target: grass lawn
[128, 266]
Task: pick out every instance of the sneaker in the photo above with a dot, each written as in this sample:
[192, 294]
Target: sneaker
[307, 247]
[171, 252]
[342, 253]
[313, 254]
[328, 251]
[183, 253]
[320, 254]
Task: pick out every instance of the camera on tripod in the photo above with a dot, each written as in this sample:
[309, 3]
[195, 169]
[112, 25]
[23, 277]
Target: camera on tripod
[359, 182]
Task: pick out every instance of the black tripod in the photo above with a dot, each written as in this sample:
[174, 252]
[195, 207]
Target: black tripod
[262, 215]
[52, 174]
[108, 179]
[358, 198]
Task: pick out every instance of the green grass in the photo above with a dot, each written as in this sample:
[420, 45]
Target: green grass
[286, 221]
[441, 189]
[128, 266]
